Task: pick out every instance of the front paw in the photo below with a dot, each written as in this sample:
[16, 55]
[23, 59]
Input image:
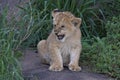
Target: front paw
[74, 67]
[55, 68]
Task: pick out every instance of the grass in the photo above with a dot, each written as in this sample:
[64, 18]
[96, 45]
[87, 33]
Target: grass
[13, 33]
[9, 65]
[35, 24]
[39, 12]
[111, 8]
[103, 54]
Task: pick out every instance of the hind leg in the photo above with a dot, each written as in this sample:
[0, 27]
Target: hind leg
[43, 53]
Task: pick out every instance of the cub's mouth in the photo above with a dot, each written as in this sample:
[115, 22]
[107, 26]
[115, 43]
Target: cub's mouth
[60, 37]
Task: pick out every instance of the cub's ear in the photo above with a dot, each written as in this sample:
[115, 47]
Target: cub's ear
[55, 11]
[76, 22]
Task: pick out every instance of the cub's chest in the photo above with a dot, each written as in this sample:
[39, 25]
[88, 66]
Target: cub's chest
[65, 50]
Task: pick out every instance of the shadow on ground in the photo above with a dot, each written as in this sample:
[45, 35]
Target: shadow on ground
[33, 70]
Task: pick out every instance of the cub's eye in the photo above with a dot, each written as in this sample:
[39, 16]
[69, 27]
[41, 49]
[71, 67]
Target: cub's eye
[62, 26]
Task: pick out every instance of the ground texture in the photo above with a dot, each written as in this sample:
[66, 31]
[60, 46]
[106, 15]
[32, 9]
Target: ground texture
[33, 70]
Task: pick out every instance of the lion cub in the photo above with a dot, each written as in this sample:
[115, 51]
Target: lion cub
[63, 45]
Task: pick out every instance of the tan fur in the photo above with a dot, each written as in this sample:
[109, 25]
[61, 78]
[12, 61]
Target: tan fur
[58, 51]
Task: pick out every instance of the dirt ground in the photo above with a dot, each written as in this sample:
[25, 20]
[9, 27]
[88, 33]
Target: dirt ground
[34, 70]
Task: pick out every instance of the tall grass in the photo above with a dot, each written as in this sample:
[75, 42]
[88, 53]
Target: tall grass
[9, 65]
[110, 8]
[40, 13]
[13, 33]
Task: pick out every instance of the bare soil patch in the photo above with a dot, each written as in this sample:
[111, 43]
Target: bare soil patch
[34, 70]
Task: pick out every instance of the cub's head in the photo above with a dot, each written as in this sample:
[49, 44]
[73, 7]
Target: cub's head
[64, 24]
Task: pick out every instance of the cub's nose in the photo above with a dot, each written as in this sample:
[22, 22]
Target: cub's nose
[56, 33]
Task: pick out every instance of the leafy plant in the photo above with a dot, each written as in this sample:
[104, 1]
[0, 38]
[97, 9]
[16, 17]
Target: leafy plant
[103, 54]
